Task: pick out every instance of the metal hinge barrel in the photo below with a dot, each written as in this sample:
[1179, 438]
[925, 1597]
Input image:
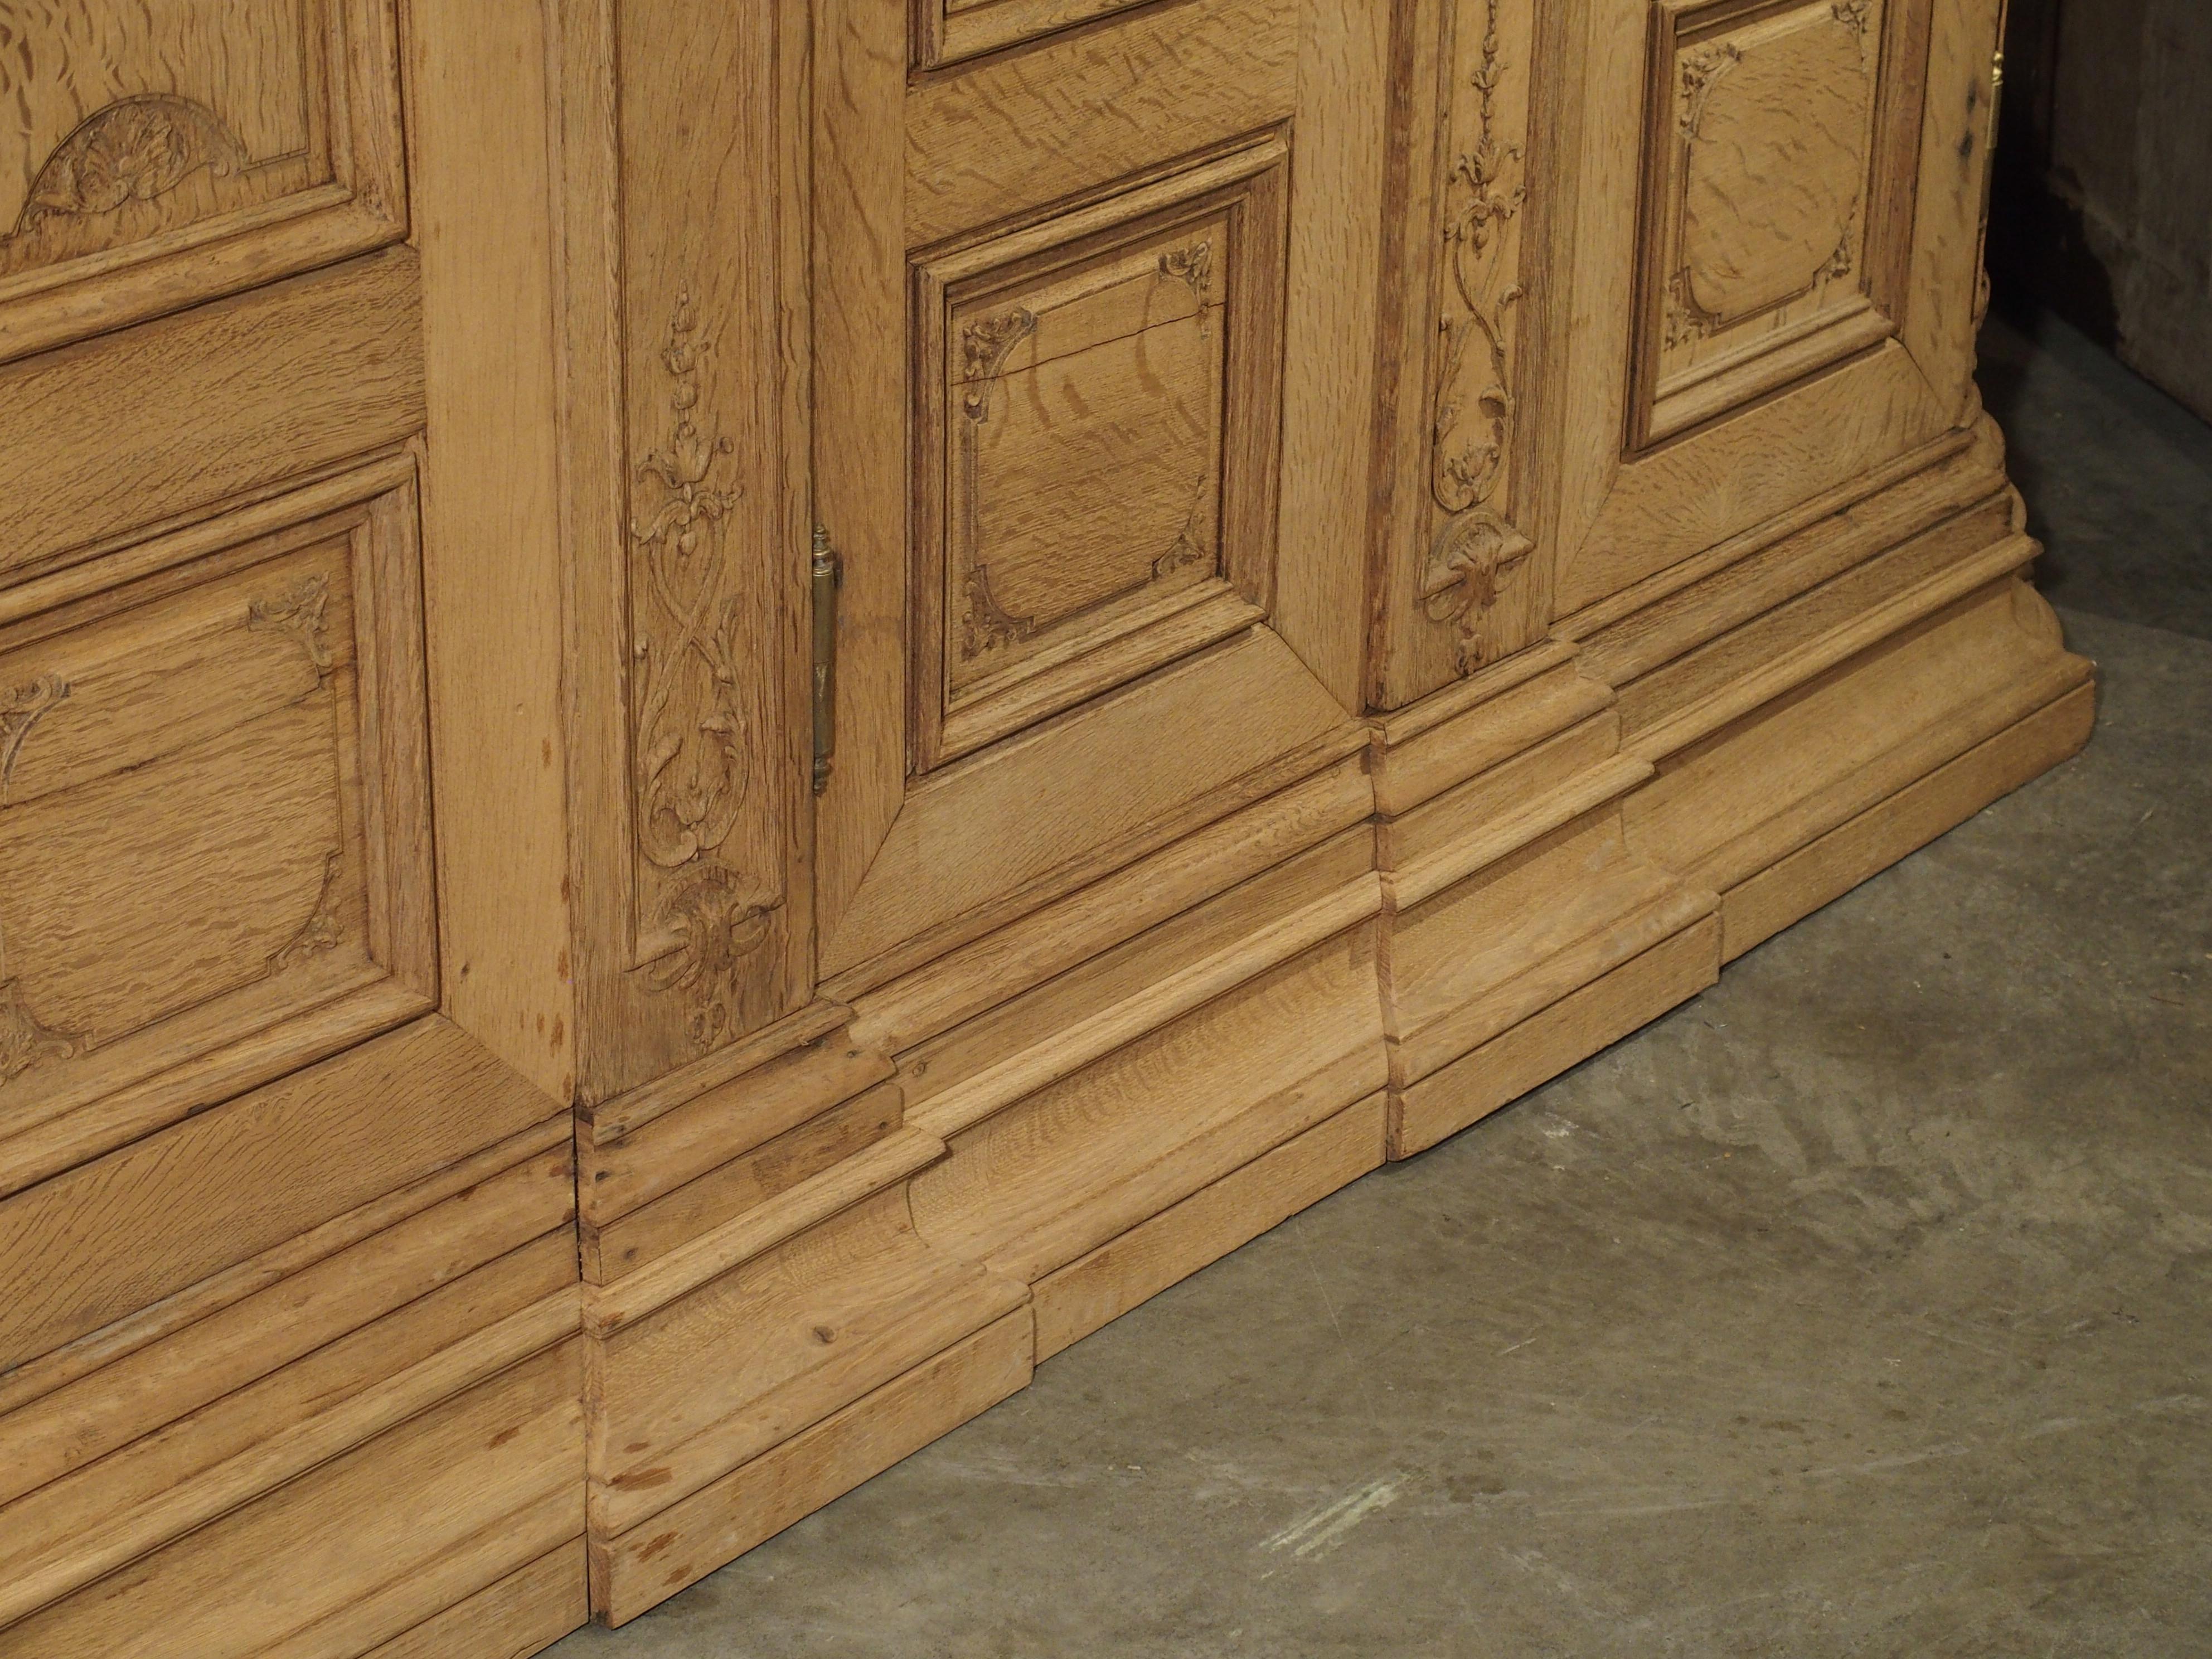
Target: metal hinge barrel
[827, 574]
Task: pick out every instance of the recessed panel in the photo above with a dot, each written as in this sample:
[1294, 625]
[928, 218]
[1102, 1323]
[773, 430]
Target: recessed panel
[208, 786]
[1100, 402]
[132, 138]
[1761, 263]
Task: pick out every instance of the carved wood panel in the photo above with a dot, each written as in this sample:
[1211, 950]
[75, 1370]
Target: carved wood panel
[688, 523]
[1763, 257]
[1458, 589]
[213, 822]
[1099, 401]
[155, 156]
[1764, 209]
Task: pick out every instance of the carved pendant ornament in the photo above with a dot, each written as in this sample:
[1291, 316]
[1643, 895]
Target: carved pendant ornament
[1473, 410]
[692, 741]
[136, 150]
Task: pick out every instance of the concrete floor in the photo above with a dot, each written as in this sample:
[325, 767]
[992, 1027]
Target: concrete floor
[1861, 1306]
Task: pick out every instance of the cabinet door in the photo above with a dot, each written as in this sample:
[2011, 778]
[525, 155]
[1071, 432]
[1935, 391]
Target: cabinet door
[1776, 210]
[214, 800]
[1094, 322]
[1676, 267]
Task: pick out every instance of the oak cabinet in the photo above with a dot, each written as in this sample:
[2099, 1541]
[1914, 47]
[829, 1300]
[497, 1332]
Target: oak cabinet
[715, 722]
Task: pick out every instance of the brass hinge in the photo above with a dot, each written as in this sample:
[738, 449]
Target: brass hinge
[828, 573]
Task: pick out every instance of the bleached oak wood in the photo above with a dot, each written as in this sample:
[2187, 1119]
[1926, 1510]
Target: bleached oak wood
[1098, 1287]
[480, 159]
[1546, 1043]
[532, 1607]
[111, 1236]
[685, 1542]
[1379, 543]
[447, 1503]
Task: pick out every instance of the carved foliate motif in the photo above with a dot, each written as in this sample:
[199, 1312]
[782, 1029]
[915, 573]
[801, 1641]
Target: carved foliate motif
[135, 150]
[691, 737]
[21, 710]
[322, 931]
[1474, 409]
[24, 1042]
[300, 613]
[1193, 265]
[985, 345]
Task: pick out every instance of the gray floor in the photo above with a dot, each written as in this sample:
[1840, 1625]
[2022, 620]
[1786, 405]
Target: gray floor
[1861, 1306]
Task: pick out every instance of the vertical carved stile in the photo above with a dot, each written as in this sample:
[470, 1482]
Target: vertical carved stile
[1474, 405]
[692, 734]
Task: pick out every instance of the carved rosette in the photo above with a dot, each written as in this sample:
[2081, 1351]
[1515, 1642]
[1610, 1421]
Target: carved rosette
[1473, 408]
[135, 150]
[691, 735]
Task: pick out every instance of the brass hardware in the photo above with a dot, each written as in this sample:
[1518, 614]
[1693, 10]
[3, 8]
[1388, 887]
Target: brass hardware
[829, 574]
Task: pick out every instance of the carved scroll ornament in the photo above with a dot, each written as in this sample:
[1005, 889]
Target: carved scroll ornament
[692, 738]
[1473, 412]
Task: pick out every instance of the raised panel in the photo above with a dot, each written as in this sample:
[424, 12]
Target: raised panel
[1765, 152]
[212, 813]
[1100, 405]
[151, 157]
[1702, 168]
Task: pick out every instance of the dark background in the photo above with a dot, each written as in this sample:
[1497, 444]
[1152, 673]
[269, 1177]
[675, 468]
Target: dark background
[2100, 211]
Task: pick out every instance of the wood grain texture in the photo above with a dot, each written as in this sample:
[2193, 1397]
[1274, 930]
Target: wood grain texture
[684, 432]
[777, 1344]
[279, 384]
[1827, 419]
[950, 29]
[1332, 333]
[1459, 584]
[1793, 887]
[155, 161]
[982, 841]
[481, 158]
[447, 1503]
[1098, 1288]
[1479, 958]
[1093, 109]
[1548, 1043]
[1097, 447]
[531, 1608]
[173, 1372]
[160, 1487]
[621, 1172]
[1799, 768]
[1024, 953]
[1062, 1169]
[685, 1542]
[739, 1185]
[113, 1236]
[215, 782]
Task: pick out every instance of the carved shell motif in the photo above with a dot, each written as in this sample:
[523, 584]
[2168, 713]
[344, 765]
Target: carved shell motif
[133, 150]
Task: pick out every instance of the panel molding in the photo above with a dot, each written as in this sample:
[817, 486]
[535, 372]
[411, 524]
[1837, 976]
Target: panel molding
[152, 198]
[270, 648]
